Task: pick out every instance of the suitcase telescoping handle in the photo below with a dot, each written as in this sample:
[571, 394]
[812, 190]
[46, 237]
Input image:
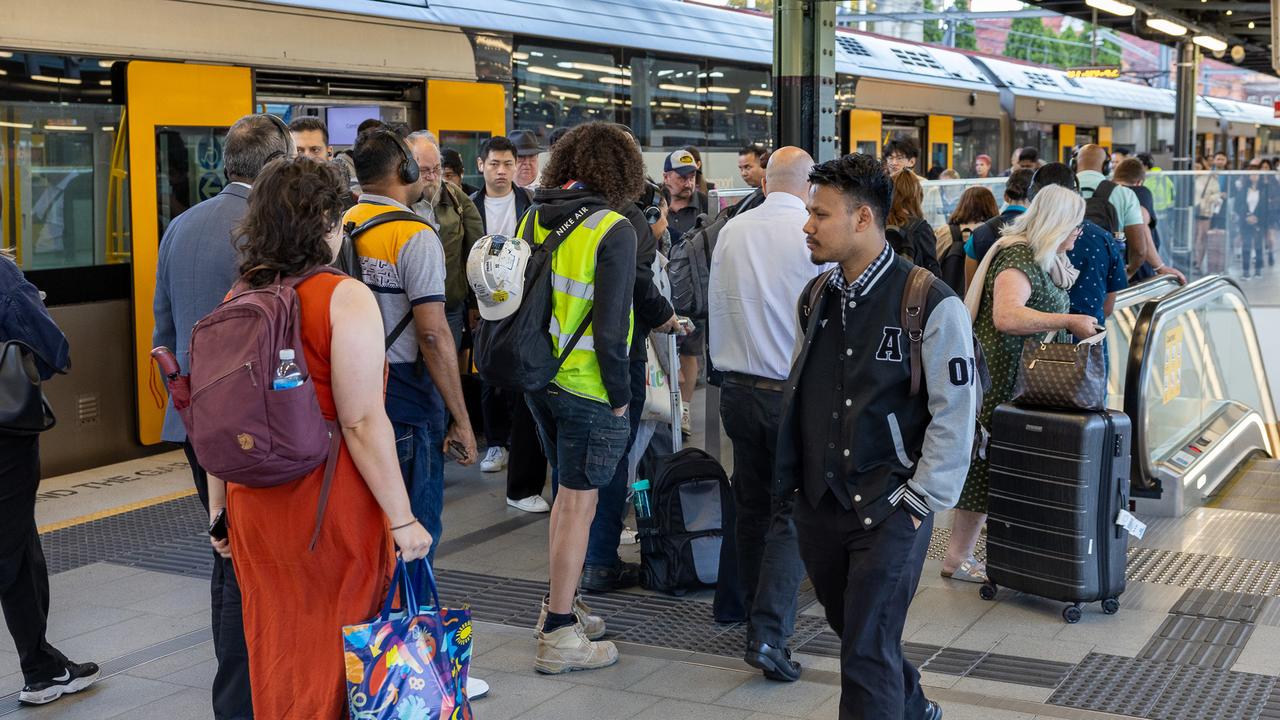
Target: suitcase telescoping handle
[673, 382]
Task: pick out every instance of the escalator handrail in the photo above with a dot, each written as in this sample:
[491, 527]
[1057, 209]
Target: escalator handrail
[1125, 297]
[1143, 474]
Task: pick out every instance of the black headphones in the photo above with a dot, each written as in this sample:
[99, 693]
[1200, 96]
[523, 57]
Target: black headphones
[284, 133]
[1106, 164]
[649, 201]
[407, 170]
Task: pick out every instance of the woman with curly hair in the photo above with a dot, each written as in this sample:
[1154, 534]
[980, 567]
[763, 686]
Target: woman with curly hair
[296, 598]
[582, 414]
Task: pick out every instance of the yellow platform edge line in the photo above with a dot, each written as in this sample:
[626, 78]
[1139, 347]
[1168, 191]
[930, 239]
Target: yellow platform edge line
[110, 512]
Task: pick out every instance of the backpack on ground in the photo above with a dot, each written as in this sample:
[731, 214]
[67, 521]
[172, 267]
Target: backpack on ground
[1099, 210]
[951, 260]
[680, 544]
[516, 352]
[914, 316]
[916, 242]
[689, 266]
[348, 261]
[244, 431]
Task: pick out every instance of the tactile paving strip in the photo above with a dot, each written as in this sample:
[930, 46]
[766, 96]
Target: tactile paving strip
[1021, 671]
[1213, 572]
[1201, 692]
[1114, 684]
[1242, 607]
[1198, 641]
[116, 537]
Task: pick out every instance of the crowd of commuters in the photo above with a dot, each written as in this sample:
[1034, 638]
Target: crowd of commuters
[839, 464]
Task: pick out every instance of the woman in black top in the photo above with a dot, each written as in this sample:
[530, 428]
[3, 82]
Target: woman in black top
[24, 578]
[1251, 202]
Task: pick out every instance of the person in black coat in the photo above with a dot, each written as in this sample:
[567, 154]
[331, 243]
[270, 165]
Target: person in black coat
[24, 577]
[1251, 201]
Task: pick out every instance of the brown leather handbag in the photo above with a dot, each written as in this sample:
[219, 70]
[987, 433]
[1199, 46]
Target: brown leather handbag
[1063, 376]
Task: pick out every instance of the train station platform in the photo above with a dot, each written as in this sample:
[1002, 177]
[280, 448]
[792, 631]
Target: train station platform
[1197, 636]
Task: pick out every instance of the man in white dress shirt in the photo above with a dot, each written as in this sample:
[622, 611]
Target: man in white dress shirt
[759, 268]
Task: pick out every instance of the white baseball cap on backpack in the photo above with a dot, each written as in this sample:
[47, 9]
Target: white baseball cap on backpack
[495, 271]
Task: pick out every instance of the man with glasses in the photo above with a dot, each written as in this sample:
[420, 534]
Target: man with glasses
[457, 221]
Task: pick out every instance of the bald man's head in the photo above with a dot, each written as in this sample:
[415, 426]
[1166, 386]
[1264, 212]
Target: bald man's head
[788, 172]
[1091, 157]
[430, 171]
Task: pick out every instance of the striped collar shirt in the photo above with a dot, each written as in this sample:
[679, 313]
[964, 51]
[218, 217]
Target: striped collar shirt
[850, 291]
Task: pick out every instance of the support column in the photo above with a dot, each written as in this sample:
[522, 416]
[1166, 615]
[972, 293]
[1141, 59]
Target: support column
[1184, 120]
[804, 82]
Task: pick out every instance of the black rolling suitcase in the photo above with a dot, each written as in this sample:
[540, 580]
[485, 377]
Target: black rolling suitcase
[1059, 480]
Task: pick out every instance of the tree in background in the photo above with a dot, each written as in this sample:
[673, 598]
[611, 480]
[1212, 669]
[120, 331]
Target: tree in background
[935, 31]
[1031, 40]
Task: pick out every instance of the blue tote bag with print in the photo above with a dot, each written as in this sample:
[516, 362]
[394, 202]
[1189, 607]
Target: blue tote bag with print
[410, 662]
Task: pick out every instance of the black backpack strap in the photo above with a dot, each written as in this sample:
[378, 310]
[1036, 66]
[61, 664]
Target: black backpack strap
[1104, 190]
[812, 293]
[354, 231]
[957, 236]
[550, 244]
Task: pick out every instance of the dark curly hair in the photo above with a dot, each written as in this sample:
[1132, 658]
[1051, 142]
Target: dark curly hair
[862, 180]
[294, 206]
[600, 156]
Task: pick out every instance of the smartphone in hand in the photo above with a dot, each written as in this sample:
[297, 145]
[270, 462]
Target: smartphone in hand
[218, 528]
[457, 451]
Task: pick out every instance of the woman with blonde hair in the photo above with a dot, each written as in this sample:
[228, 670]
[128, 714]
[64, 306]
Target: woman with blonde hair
[1020, 290]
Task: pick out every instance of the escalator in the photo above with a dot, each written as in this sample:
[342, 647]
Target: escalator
[1194, 385]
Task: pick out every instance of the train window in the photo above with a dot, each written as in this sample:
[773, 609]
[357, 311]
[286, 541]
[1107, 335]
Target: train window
[1040, 136]
[189, 169]
[675, 105]
[561, 87]
[60, 204]
[739, 103]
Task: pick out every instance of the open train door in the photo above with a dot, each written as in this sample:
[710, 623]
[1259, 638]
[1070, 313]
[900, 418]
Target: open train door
[178, 115]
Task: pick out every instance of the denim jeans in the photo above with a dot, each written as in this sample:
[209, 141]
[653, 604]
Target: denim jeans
[611, 508]
[420, 449]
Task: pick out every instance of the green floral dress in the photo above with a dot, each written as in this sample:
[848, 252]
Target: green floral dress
[1003, 352]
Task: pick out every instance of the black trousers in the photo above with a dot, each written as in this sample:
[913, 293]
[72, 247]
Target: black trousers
[24, 578]
[769, 565]
[496, 405]
[865, 579]
[526, 465]
[232, 699]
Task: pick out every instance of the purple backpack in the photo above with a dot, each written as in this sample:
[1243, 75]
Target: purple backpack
[243, 431]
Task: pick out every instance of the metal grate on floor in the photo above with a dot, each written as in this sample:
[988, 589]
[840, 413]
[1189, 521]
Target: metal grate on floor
[1200, 602]
[1114, 684]
[113, 538]
[1215, 572]
[1198, 641]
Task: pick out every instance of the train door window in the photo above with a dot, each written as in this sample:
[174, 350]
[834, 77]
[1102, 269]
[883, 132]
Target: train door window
[1040, 136]
[901, 128]
[564, 87]
[974, 137]
[467, 143]
[190, 168]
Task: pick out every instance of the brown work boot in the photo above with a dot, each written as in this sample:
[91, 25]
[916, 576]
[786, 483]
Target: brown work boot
[568, 649]
[592, 625]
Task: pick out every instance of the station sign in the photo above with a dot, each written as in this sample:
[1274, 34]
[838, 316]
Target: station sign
[1095, 71]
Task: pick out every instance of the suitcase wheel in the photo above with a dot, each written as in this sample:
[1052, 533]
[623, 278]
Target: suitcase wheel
[1072, 614]
[1111, 606]
[987, 591]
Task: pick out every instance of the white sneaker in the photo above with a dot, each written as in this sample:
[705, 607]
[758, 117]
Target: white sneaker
[495, 460]
[531, 504]
[686, 424]
[629, 537]
[476, 688]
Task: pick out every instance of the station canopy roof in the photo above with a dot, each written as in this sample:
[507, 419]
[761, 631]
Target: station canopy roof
[1243, 24]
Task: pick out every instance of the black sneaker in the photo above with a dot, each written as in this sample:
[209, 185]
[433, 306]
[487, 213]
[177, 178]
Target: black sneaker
[73, 679]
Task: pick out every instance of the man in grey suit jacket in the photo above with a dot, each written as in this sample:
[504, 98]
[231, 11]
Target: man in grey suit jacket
[198, 264]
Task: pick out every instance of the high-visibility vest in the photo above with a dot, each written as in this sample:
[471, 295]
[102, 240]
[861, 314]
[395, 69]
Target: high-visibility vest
[1161, 187]
[573, 275]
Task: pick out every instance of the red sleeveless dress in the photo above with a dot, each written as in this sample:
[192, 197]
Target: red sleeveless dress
[296, 601]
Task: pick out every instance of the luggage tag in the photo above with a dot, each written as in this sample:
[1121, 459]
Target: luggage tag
[1133, 525]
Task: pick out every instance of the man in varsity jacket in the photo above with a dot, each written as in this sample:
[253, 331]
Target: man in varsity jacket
[870, 461]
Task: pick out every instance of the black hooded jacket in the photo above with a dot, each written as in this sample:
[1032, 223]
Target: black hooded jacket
[614, 284]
